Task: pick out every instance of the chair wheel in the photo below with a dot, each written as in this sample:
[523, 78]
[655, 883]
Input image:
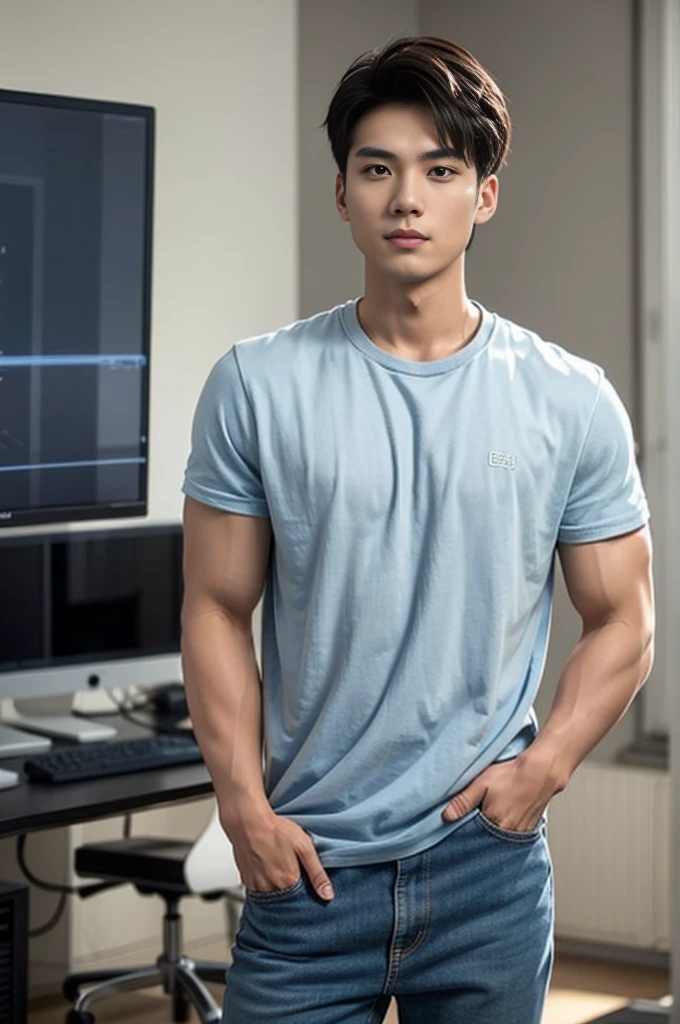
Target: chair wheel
[181, 1010]
[70, 990]
[79, 1017]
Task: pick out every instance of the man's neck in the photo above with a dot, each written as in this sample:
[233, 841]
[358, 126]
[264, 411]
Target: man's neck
[419, 327]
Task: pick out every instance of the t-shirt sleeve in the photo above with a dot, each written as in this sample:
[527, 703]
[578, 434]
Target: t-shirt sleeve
[223, 468]
[606, 498]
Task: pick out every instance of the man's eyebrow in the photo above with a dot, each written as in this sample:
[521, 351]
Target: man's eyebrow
[432, 154]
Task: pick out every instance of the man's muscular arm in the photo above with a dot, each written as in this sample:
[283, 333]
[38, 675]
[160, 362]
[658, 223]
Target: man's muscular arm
[225, 566]
[610, 586]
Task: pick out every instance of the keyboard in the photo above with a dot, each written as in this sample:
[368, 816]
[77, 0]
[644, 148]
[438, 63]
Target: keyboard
[113, 757]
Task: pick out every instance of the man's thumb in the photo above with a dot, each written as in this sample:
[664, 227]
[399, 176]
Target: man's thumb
[315, 870]
[321, 882]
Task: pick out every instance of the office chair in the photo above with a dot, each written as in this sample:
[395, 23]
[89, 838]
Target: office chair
[171, 869]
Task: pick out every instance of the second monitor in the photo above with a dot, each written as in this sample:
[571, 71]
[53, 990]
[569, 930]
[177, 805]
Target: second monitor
[89, 610]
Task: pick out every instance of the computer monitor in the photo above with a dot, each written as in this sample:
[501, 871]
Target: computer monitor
[89, 610]
[76, 182]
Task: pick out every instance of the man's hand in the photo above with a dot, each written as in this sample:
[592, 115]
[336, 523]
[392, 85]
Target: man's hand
[512, 794]
[272, 854]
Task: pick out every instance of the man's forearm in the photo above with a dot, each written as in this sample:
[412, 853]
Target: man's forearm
[600, 680]
[223, 693]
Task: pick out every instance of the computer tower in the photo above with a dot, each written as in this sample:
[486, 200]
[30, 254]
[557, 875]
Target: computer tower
[13, 953]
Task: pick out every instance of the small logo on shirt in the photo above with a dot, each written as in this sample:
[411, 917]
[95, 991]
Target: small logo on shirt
[502, 460]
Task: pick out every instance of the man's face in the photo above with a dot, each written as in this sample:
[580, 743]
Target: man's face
[439, 196]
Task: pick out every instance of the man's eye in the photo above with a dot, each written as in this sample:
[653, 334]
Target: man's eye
[382, 167]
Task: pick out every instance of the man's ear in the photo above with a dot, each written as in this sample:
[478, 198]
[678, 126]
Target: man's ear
[340, 197]
[487, 200]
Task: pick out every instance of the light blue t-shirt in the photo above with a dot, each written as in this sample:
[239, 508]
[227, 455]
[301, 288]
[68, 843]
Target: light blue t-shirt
[415, 510]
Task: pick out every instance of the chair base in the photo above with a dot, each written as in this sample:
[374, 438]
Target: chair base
[180, 976]
[207, 970]
[182, 979]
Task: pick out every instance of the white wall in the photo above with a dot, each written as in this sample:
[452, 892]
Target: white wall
[558, 256]
[221, 75]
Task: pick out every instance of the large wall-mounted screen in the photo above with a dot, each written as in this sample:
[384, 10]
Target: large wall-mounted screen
[76, 184]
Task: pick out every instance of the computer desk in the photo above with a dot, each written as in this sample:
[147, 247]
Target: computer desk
[32, 806]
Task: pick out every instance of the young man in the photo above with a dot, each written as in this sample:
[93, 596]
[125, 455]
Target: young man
[399, 473]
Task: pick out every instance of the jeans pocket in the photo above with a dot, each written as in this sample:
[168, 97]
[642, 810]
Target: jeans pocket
[510, 836]
[275, 894]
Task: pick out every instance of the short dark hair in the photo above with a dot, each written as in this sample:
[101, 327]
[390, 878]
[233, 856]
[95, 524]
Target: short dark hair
[468, 108]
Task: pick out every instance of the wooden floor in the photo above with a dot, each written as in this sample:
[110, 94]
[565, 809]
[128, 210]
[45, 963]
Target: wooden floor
[580, 990]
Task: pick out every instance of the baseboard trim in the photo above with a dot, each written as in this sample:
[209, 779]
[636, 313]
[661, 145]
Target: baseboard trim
[614, 953]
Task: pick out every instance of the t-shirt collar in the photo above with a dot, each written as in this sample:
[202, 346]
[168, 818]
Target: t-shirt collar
[357, 335]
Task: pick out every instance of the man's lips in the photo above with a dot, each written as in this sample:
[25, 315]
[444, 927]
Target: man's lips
[404, 242]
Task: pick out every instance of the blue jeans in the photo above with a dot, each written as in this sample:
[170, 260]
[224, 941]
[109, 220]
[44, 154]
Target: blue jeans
[461, 933]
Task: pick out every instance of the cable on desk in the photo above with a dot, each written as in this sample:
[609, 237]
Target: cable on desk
[155, 727]
[120, 707]
[124, 709]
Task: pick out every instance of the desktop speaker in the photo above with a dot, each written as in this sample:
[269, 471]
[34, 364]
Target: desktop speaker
[13, 953]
